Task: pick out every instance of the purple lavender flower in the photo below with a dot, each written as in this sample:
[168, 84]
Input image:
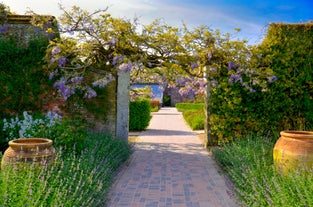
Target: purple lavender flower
[62, 61]
[55, 50]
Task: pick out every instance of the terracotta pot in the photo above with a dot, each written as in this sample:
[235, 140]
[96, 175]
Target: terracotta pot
[28, 151]
[293, 151]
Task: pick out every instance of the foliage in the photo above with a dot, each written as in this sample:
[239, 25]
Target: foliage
[287, 50]
[268, 90]
[189, 106]
[193, 114]
[95, 48]
[74, 180]
[22, 82]
[155, 105]
[139, 114]
[25, 126]
[248, 164]
[65, 133]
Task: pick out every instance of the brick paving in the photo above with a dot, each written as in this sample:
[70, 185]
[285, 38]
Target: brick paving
[169, 168]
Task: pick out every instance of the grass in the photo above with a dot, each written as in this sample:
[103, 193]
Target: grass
[74, 180]
[193, 114]
[249, 166]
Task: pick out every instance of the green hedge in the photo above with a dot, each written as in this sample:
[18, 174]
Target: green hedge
[286, 53]
[139, 114]
[188, 106]
[193, 114]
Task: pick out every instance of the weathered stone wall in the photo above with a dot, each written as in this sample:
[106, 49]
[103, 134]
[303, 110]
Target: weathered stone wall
[21, 28]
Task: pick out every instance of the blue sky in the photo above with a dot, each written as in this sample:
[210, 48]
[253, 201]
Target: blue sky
[252, 16]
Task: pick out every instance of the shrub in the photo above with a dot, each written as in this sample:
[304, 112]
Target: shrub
[155, 105]
[193, 114]
[67, 134]
[139, 114]
[195, 119]
[187, 106]
[74, 180]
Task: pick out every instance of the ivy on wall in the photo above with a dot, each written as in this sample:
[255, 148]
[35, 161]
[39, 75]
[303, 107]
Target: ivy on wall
[22, 80]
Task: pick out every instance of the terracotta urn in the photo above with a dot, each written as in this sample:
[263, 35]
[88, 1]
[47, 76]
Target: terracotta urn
[28, 151]
[293, 151]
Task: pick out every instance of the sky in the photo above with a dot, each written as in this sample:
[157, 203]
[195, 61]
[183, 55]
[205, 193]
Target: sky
[251, 16]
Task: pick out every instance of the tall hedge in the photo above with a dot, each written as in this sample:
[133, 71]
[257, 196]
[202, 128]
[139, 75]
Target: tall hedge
[288, 49]
[139, 114]
[285, 104]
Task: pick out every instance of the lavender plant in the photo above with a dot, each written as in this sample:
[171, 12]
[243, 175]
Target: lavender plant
[74, 180]
[248, 165]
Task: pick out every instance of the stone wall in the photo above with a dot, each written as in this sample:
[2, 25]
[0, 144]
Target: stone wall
[117, 125]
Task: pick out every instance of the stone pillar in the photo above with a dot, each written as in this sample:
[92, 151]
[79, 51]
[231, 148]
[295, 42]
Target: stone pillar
[122, 106]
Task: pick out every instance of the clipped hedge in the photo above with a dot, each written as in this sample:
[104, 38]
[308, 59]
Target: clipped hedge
[139, 114]
[193, 114]
[189, 106]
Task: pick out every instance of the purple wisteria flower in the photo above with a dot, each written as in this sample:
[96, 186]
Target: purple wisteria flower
[4, 27]
[112, 42]
[70, 32]
[214, 83]
[63, 89]
[125, 66]
[76, 80]
[90, 93]
[52, 60]
[62, 61]
[55, 50]
[231, 65]
[194, 65]
[213, 69]
[114, 61]
[272, 79]
[52, 74]
[103, 81]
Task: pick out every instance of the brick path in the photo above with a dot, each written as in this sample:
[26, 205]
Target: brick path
[169, 168]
